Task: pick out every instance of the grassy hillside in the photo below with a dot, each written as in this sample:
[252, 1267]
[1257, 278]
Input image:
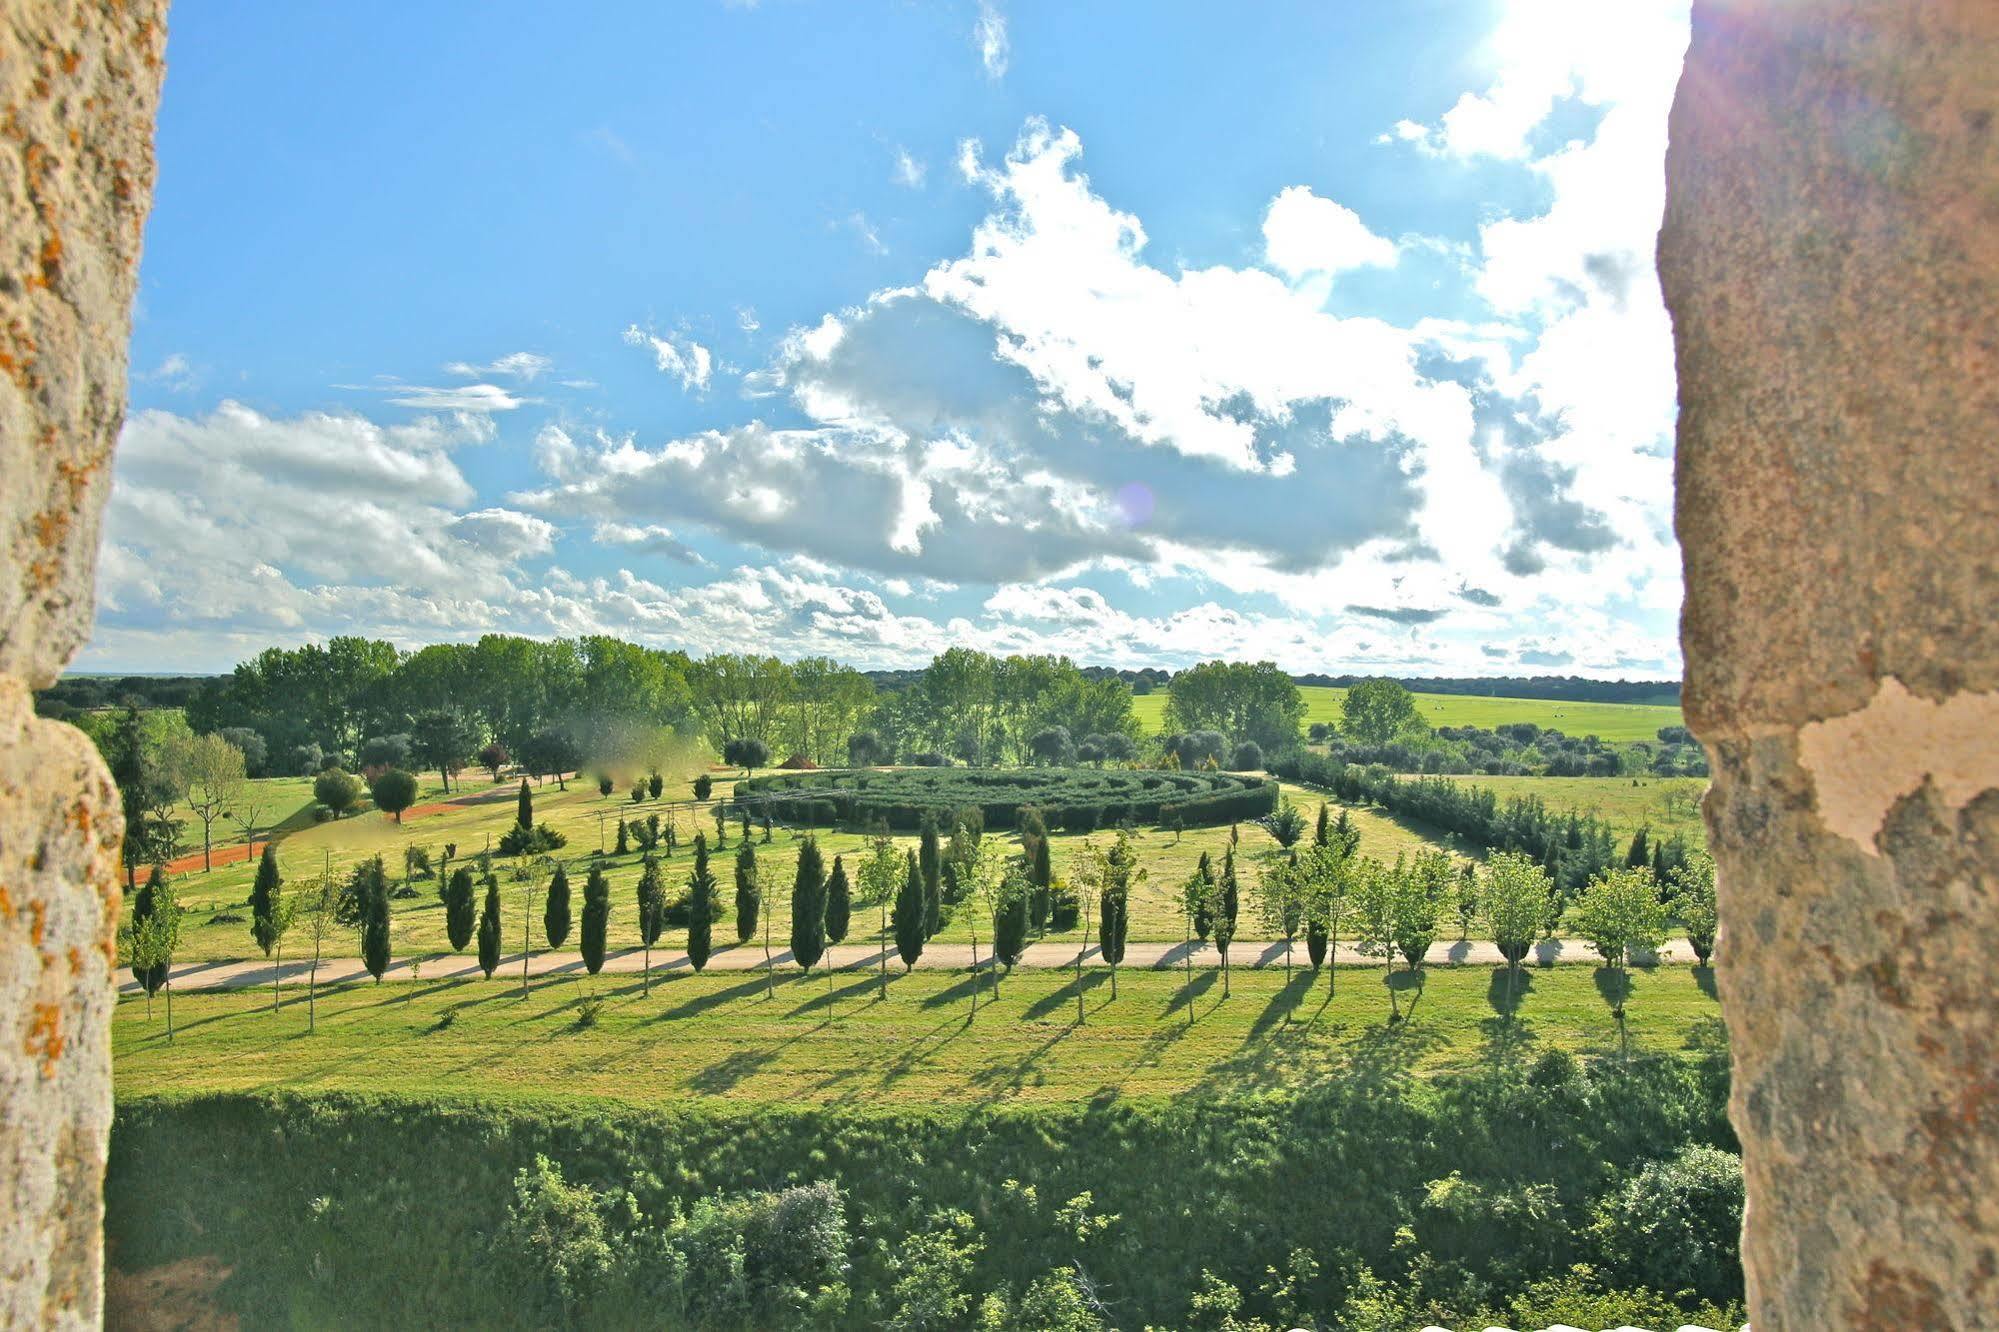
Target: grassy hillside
[1615, 722]
[815, 1040]
[1666, 805]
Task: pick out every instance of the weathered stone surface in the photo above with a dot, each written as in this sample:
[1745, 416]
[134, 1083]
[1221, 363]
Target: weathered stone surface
[79, 83]
[1830, 255]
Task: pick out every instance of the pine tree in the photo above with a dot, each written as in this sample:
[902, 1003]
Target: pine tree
[808, 906]
[265, 903]
[700, 905]
[524, 813]
[749, 897]
[839, 903]
[652, 913]
[489, 929]
[555, 912]
[458, 907]
[371, 892]
[596, 919]
[930, 858]
[912, 908]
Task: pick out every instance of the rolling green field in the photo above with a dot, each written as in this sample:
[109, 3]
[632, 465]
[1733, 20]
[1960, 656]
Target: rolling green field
[831, 1042]
[1615, 722]
[1665, 805]
[216, 927]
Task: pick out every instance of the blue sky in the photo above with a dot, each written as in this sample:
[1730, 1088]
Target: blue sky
[1145, 333]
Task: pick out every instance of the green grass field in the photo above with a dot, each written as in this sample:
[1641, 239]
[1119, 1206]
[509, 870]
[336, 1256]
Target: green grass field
[216, 926]
[1615, 722]
[1666, 805]
[833, 1043]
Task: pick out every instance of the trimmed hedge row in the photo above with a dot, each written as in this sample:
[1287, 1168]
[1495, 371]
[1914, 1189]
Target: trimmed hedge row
[1074, 799]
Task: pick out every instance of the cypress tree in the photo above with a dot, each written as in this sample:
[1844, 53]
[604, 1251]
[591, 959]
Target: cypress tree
[749, 898]
[839, 903]
[1640, 854]
[1201, 890]
[489, 929]
[1324, 830]
[624, 845]
[264, 900]
[555, 912]
[524, 813]
[912, 907]
[596, 919]
[371, 890]
[700, 905]
[1043, 875]
[1010, 924]
[458, 906]
[808, 906]
[1224, 924]
[930, 858]
[144, 904]
[652, 912]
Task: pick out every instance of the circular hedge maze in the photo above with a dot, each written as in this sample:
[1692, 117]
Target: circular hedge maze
[1074, 799]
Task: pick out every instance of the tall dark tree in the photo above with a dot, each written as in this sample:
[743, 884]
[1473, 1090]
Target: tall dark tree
[1041, 873]
[1225, 915]
[458, 908]
[1640, 853]
[145, 904]
[930, 858]
[912, 907]
[704, 786]
[839, 903]
[371, 894]
[652, 912]
[749, 896]
[265, 903]
[596, 919]
[489, 929]
[145, 794]
[1010, 920]
[1324, 829]
[623, 846]
[808, 906]
[655, 784]
[555, 910]
[700, 905]
[524, 806]
[1201, 897]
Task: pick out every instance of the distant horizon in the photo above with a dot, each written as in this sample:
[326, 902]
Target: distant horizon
[1041, 337]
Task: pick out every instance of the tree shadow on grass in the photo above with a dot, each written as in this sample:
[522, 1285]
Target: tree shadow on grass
[1405, 984]
[701, 1003]
[727, 1073]
[1704, 977]
[1190, 991]
[1282, 1004]
[827, 999]
[1508, 989]
[959, 993]
[1064, 996]
[1614, 986]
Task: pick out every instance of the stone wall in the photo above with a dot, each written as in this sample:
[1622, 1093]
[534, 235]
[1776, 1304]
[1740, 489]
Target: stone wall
[79, 84]
[1831, 259]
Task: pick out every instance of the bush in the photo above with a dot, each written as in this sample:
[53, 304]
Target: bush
[1248, 757]
[520, 840]
[1673, 1225]
[1079, 799]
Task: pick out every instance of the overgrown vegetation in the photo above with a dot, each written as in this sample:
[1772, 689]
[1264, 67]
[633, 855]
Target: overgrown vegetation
[1076, 799]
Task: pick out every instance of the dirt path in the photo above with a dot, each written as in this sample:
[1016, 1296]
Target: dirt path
[842, 957]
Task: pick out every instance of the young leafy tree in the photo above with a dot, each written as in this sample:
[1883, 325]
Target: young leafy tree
[912, 909]
[154, 940]
[208, 773]
[1467, 898]
[1375, 711]
[265, 896]
[749, 897]
[319, 908]
[489, 929]
[1619, 911]
[1420, 887]
[1513, 897]
[371, 894]
[808, 906]
[1373, 889]
[700, 906]
[150, 971]
[1328, 871]
[458, 908]
[596, 919]
[394, 791]
[524, 806]
[1280, 900]
[555, 910]
[493, 757]
[839, 903]
[1694, 904]
[652, 914]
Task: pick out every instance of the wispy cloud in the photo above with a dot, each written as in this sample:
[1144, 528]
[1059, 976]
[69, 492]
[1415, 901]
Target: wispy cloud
[866, 231]
[527, 366]
[909, 171]
[989, 33]
[682, 357]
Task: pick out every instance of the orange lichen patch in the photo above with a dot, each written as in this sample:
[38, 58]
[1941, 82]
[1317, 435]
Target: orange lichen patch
[51, 260]
[45, 1039]
[40, 911]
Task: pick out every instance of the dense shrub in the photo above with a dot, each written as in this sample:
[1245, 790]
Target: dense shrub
[1079, 799]
[1673, 1225]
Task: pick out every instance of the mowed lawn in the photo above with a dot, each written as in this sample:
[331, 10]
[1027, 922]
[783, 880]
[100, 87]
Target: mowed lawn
[1615, 722]
[834, 1042]
[216, 926]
